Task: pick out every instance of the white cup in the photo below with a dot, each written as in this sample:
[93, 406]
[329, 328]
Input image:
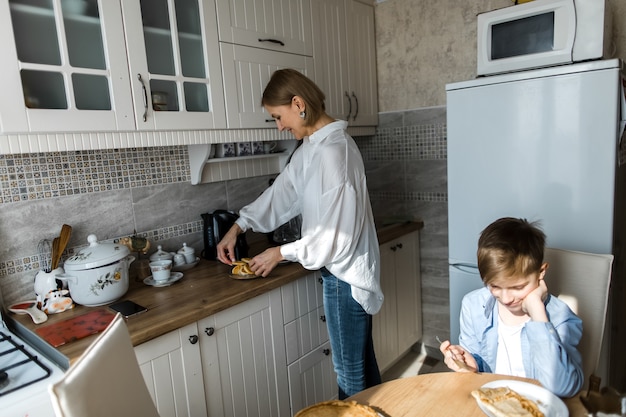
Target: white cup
[225, 150]
[269, 147]
[244, 148]
[161, 270]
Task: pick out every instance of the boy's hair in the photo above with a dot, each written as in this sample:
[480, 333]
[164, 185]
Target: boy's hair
[510, 247]
[287, 83]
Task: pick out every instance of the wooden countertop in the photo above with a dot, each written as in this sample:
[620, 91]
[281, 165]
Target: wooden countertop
[204, 290]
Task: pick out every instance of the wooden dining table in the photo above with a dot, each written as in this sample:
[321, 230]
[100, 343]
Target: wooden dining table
[440, 394]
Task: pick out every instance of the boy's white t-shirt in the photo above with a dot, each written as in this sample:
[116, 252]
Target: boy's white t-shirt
[509, 356]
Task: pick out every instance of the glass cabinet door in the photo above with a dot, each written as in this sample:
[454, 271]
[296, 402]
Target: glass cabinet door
[64, 70]
[173, 53]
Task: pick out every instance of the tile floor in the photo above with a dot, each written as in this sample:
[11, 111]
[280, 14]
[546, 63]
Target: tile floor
[416, 362]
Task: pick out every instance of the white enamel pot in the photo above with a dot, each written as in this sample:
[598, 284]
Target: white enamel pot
[98, 274]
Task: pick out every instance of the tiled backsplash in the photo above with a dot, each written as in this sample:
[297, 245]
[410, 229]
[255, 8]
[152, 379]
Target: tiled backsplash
[27, 177]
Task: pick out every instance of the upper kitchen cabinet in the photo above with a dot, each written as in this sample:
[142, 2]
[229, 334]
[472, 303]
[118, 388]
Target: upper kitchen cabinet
[344, 49]
[246, 73]
[173, 56]
[96, 65]
[278, 25]
[64, 66]
[256, 39]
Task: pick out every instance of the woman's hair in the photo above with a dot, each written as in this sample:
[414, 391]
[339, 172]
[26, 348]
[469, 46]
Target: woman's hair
[510, 247]
[287, 83]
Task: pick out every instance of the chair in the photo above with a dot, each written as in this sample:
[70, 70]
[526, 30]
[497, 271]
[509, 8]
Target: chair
[582, 281]
[105, 380]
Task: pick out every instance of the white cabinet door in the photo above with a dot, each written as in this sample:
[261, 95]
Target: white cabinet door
[175, 72]
[245, 352]
[278, 25]
[398, 325]
[344, 50]
[409, 291]
[312, 379]
[362, 64]
[385, 324]
[172, 369]
[246, 73]
[63, 69]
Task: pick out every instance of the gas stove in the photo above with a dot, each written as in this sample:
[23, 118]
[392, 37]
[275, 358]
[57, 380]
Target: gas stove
[25, 375]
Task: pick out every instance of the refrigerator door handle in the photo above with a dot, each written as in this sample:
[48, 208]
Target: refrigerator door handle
[465, 267]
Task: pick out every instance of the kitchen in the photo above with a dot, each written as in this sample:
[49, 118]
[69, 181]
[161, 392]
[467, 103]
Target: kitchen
[420, 47]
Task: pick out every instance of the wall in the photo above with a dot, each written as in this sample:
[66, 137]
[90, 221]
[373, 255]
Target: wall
[423, 44]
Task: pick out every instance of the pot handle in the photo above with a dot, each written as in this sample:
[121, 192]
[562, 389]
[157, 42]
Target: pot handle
[65, 277]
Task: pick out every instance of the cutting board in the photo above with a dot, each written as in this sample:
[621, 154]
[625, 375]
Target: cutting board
[76, 328]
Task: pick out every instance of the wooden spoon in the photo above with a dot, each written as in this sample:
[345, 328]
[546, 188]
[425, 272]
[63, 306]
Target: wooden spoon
[66, 232]
[55, 254]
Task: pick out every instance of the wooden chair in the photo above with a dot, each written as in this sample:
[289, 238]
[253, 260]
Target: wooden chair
[105, 381]
[582, 281]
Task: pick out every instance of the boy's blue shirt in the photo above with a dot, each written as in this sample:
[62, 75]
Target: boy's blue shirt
[548, 349]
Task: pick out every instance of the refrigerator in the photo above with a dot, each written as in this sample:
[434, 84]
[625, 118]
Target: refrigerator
[542, 145]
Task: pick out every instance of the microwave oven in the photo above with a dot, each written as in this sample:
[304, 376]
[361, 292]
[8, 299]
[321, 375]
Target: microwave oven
[542, 33]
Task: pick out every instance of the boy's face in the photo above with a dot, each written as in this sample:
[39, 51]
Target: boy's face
[510, 291]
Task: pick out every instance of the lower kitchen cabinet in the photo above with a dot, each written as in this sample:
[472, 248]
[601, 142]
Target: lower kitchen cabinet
[243, 359]
[398, 325]
[312, 378]
[172, 369]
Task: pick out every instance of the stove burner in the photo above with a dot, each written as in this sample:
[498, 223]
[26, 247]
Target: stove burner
[24, 359]
[4, 379]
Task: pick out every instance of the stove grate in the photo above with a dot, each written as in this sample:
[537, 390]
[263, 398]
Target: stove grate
[10, 346]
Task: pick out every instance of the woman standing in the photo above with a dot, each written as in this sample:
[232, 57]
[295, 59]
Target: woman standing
[325, 184]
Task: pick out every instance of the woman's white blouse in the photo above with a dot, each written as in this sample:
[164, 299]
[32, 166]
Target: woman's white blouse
[325, 183]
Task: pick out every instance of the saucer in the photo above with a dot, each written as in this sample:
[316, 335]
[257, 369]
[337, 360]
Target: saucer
[174, 276]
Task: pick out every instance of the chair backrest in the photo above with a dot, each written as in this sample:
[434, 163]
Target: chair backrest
[582, 281]
[105, 380]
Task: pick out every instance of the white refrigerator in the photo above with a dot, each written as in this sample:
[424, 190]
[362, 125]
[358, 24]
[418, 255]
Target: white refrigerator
[542, 145]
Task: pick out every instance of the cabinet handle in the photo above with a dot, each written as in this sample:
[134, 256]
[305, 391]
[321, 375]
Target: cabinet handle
[270, 121]
[145, 98]
[399, 245]
[349, 106]
[272, 41]
[356, 112]
[321, 280]
[393, 248]
[193, 339]
[209, 331]
[323, 318]
[326, 352]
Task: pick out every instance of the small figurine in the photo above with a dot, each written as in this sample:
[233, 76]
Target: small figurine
[136, 244]
[57, 302]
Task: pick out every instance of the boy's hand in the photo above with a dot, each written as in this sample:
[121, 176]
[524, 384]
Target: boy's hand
[457, 358]
[533, 303]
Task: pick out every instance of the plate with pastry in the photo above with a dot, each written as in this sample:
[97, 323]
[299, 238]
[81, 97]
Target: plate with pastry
[241, 270]
[510, 397]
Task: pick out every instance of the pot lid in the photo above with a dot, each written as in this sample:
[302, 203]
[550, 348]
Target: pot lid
[95, 255]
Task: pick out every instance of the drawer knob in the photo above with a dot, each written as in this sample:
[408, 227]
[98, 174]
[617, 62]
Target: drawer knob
[193, 339]
[209, 331]
[326, 352]
[323, 318]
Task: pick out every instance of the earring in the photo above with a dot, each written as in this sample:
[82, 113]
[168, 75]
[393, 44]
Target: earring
[302, 114]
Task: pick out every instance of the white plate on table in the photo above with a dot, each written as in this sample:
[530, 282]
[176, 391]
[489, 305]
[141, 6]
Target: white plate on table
[174, 276]
[184, 267]
[549, 404]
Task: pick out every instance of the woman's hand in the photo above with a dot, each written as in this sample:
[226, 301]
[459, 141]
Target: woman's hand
[226, 246]
[457, 358]
[266, 261]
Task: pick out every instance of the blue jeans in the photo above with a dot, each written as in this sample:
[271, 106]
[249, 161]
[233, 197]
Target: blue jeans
[350, 333]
